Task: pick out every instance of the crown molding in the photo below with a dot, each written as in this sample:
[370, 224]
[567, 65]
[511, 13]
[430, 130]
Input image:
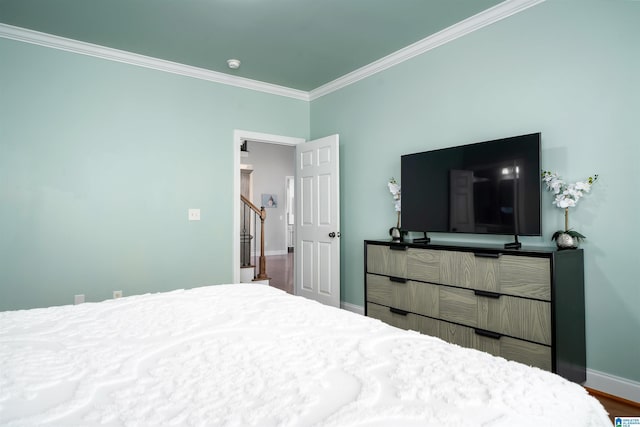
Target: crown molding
[82, 48]
[469, 25]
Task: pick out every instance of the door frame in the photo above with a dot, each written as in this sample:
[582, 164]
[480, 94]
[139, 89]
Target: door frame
[238, 136]
[287, 180]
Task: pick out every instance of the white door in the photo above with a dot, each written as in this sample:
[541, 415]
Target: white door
[317, 246]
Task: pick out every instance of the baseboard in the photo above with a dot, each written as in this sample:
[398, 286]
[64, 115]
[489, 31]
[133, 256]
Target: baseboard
[277, 252]
[601, 394]
[271, 253]
[616, 386]
[352, 307]
[247, 274]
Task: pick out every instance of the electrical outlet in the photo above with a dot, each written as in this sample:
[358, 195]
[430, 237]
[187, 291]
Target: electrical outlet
[117, 294]
[194, 214]
[78, 299]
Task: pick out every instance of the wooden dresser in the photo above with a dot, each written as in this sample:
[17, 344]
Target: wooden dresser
[525, 305]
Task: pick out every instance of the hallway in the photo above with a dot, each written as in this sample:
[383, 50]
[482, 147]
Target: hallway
[280, 270]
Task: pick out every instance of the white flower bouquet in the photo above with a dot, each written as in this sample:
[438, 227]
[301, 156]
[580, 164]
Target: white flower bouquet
[567, 196]
[394, 189]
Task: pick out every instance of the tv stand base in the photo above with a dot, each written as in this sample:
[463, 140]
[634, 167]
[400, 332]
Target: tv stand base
[424, 239]
[513, 245]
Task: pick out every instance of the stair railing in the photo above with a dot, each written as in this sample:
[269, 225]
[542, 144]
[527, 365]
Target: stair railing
[249, 208]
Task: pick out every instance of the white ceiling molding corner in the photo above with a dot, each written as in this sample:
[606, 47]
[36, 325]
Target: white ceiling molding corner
[469, 25]
[82, 48]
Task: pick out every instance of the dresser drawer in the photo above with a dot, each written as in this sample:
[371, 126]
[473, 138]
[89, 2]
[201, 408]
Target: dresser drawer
[517, 317]
[469, 270]
[525, 276]
[405, 320]
[424, 265]
[416, 297]
[531, 354]
[387, 260]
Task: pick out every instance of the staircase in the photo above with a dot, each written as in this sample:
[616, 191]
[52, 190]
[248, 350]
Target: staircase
[249, 223]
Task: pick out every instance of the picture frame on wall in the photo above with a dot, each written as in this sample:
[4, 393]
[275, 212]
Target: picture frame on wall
[269, 200]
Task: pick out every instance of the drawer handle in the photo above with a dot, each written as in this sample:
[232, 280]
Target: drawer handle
[488, 334]
[398, 279]
[398, 311]
[487, 255]
[398, 247]
[486, 294]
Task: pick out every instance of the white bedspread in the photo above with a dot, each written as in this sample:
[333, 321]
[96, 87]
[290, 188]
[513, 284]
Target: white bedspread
[250, 355]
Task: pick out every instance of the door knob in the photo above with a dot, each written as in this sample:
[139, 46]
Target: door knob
[332, 234]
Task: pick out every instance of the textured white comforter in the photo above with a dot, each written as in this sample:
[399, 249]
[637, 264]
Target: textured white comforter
[250, 355]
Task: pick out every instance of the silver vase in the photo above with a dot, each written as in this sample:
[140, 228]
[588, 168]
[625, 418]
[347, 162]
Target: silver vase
[395, 233]
[565, 241]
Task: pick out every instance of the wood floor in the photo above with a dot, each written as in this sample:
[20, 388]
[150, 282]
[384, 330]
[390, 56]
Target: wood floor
[280, 270]
[616, 406]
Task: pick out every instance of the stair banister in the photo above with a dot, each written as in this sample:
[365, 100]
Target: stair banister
[262, 272]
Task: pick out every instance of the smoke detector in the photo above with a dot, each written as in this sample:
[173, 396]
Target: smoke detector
[233, 63]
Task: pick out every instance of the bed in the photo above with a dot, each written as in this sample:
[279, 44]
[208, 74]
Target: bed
[252, 355]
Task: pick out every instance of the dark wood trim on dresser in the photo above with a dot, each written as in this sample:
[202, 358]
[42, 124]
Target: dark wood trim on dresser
[522, 304]
[569, 314]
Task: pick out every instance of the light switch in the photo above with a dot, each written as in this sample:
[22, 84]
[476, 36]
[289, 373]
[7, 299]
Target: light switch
[194, 214]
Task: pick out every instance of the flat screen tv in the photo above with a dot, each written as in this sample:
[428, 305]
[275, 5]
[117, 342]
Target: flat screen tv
[490, 187]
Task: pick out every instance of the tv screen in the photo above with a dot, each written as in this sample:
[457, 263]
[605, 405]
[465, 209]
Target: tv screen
[490, 187]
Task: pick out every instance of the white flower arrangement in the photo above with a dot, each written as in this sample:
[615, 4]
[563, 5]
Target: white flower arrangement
[394, 188]
[567, 196]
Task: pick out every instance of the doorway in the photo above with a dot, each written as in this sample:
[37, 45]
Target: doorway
[268, 167]
[239, 137]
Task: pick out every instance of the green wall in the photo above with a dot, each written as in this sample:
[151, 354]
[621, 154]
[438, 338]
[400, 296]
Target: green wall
[567, 69]
[99, 162]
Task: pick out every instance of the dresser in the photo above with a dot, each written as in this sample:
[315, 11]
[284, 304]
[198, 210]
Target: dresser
[525, 305]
